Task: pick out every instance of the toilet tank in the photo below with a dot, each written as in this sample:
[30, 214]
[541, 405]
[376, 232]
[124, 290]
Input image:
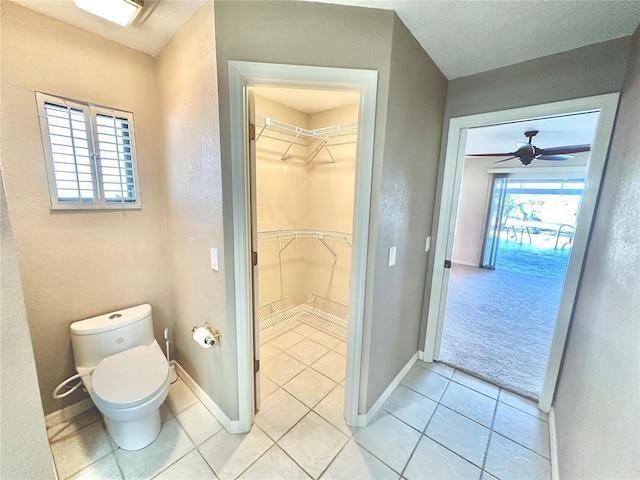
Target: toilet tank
[96, 338]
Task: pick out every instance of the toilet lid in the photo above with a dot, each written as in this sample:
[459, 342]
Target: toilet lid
[129, 378]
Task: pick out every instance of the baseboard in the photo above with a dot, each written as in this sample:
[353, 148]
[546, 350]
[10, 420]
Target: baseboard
[231, 426]
[67, 413]
[363, 420]
[553, 445]
[420, 355]
[468, 264]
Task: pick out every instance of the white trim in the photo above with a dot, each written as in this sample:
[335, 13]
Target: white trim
[242, 75]
[364, 420]
[67, 413]
[228, 424]
[468, 264]
[444, 222]
[421, 355]
[553, 445]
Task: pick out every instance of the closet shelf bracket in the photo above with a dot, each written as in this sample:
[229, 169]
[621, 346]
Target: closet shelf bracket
[291, 144]
[331, 250]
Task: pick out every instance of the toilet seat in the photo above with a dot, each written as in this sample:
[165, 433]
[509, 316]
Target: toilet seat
[129, 378]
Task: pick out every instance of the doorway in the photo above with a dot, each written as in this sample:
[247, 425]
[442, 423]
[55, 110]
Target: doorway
[512, 245]
[445, 225]
[242, 76]
[305, 164]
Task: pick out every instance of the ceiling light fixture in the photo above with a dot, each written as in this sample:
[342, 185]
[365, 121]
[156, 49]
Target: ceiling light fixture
[121, 12]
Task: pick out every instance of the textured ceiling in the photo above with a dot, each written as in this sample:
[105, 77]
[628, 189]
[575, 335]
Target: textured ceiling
[467, 37]
[156, 24]
[463, 37]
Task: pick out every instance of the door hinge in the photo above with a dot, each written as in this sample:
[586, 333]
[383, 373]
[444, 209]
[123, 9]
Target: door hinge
[252, 131]
[254, 258]
[256, 366]
[447, 264]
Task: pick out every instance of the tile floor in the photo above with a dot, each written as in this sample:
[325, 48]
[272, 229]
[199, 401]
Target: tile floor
[439, 423]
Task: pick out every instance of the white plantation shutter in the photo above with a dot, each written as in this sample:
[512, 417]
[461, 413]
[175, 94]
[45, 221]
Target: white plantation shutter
[115, 151]
[90, 154]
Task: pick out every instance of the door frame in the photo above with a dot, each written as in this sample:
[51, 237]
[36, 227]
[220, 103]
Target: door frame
[241, 76]
[445, 222]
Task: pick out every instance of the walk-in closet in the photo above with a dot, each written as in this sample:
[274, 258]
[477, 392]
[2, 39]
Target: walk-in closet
[305, 174]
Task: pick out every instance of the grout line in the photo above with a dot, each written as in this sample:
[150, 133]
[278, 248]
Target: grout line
[176, 461]
[493, 421]
[336, 456]
[422, 434]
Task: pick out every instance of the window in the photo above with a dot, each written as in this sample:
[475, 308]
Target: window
[90, 155]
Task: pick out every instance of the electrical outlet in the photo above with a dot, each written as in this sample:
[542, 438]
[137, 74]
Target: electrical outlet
[428, 245]
[392, 256]
[214, 259]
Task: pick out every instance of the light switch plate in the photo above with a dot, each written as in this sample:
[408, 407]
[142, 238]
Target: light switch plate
[392, 256]
[428, 246]
[214, 259]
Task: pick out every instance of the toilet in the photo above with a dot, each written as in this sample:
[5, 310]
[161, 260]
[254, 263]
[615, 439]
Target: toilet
[125, 372]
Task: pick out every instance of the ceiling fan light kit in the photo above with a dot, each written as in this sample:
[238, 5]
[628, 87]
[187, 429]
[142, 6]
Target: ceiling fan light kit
[527, 152]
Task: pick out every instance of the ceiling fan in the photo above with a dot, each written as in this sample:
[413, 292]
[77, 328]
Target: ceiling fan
[527, 152]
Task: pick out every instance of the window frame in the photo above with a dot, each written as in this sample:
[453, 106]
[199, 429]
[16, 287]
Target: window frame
[91, 112]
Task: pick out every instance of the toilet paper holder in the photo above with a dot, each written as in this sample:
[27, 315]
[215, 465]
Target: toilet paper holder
[216, 335]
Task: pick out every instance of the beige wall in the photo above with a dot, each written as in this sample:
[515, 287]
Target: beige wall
[597, 403]
[76, 264]
[301, 33]
[25, 449]
[186, 73]
[472, 211]
[406, 148]
[301, 192]
[417, 92]
[330, 197]
[592, 70]
[281, 202]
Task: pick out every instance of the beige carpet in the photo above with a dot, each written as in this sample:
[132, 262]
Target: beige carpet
[498, 326]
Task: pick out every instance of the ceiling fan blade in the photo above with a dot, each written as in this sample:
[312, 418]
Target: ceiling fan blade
[563, 150]
[489, 154]
[554, 157]
[506, 159]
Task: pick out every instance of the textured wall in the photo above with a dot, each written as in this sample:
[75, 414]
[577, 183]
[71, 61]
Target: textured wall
[598, 398]
[592, 70]
[306, 190]
[25, 449]
[330, 197]
[403, 210]
[186, 72]
[76, 264]
[281, 202]
[404, 169]
[305, 34]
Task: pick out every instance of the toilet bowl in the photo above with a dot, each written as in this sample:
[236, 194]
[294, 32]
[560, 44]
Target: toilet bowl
[125, 373]
[128, 389]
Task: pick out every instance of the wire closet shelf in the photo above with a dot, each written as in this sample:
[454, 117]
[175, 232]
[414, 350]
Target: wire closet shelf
[319, 311]
[321, 138]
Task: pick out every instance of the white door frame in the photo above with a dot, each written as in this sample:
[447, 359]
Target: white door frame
[241, 76]
[444, 223]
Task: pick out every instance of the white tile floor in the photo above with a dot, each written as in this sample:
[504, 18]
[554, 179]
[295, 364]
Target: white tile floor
[439, 423]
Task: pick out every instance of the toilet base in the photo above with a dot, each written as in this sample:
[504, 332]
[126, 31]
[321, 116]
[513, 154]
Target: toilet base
[136, 434]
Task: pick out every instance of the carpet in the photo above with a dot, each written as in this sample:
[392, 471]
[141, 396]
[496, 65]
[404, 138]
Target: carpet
[499, 324]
